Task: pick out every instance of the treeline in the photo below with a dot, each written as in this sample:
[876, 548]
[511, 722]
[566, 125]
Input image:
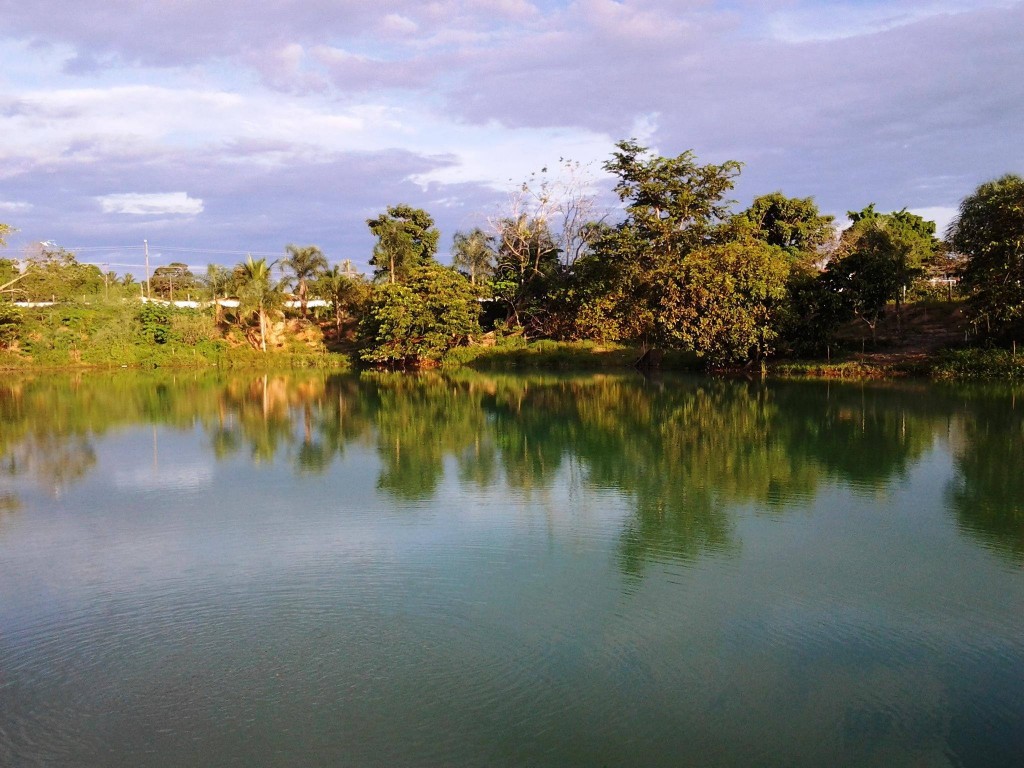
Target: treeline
[677, 269]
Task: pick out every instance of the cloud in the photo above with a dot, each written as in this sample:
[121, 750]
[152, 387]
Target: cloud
[178, 203]
[298, 121]
[15, 206]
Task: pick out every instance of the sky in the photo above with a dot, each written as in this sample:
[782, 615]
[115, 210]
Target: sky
[215, 129]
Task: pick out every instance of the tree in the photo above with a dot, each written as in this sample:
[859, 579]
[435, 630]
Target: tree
[53, 273]
[413, 324]
[473, 253]
[877, 259]
[217, 282]
[347, 292]
[726, 299]
[989, 231]
[258, 295]
[406, 238]
[305, 263]
[527, 265]
[170, 277]
[5, 230]
[673, 207]
[791, 223]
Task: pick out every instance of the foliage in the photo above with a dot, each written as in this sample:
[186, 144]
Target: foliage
[473, 253]
[878, 258]
[791, 223]
[406, 238]
[192, 328]
[725, 299]
[412, 324]
[348, 293]
[989, 230]
[257, 295]
[527, 271]
[305, 264]
[55, 274]
[156, 322]
[979, 364]
[172, 277]
[10, 324]
[673, 207]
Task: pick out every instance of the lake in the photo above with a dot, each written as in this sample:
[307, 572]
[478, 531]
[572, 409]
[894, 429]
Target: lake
[310, 569]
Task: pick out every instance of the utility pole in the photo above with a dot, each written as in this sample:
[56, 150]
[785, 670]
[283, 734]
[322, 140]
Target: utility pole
[149, 292]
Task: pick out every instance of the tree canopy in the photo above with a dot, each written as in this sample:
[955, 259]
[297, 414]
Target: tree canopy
[989, 231]
[406, 238]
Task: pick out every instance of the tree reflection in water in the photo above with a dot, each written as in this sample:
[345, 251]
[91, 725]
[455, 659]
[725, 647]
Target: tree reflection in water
[684, 452]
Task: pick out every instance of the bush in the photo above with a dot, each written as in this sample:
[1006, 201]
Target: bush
[10, 325]
[156, 323]
[191, 328]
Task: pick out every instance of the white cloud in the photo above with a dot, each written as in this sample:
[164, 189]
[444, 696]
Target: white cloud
[178, 203]
[14, 207]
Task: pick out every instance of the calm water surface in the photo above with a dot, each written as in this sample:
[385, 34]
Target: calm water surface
[502, 571]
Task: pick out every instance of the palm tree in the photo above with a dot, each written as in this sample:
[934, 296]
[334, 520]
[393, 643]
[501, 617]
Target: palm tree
[474, 252]
[217, 280]
[344, 288]
[305, 263]
[257, 294]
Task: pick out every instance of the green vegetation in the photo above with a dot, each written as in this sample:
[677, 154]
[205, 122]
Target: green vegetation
[679, 277]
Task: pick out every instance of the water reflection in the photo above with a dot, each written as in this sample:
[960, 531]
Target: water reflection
[987, 493]
[685, 453]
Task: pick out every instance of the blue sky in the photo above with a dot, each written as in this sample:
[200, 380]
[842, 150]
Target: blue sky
[230, 127]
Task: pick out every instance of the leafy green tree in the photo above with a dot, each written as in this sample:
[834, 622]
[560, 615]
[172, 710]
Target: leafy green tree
[412, 324]
[673, 207]
[5, 230]
[258, 295]
[989, 230]
[53, 273]
[305, 263]
[791, 223]
[473, 253]
[877, 259]
[155, 320]
[406, 238]
[172, 277]
[725, 301]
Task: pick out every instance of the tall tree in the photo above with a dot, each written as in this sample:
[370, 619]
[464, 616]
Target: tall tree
[673, 207]
[989, 230]
[726, 300]
[527, 266]
[305, 263]
[217, 282]
[473, 253]
[257, 295]
[406, 237]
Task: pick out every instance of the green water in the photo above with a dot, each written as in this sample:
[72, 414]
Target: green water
[502, 571]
